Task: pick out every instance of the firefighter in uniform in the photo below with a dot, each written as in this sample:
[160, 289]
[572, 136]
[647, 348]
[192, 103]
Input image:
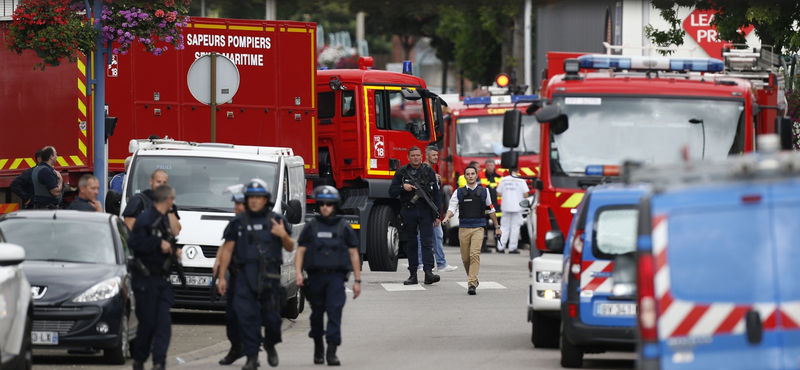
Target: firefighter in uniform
[327, 250]
[152, 289]
[231, 320]
[259, 236]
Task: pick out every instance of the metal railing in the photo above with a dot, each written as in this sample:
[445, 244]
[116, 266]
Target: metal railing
[7, 9]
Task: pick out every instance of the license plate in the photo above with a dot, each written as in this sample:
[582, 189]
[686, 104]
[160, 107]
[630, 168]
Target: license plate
[191, 280]
[44, 337]
[616, 309]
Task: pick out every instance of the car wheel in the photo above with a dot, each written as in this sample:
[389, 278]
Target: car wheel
[383, 239]
[116, 355]
[571, 355]
[544, 331]
[292, 308]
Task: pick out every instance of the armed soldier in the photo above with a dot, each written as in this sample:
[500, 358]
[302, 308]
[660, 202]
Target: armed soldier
[416, 185]
[259, 236]
[151, 286]
[328, 251]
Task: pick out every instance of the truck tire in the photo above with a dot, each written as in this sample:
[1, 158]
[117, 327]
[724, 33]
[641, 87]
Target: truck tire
[383, 239]
[571, 355]
[544, 331]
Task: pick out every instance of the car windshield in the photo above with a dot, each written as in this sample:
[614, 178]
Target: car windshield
[200, 182]
[610, 130]
[482, 136]
[61, 240]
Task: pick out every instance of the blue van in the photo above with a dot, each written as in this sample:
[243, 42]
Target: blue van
[718, 251]
[592, 320]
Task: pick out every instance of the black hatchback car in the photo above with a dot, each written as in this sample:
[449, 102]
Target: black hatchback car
[76, 263]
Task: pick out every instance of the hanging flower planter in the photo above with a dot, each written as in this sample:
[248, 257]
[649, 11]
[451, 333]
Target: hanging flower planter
[54, 29]
[154, 24]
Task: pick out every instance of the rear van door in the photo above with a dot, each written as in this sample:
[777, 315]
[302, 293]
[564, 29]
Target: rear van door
[786, 222]
[714, 262]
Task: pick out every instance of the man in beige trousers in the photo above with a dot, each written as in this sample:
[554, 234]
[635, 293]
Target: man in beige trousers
[473, 202]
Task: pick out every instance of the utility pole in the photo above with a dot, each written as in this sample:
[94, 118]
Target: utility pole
[202, 8]
[528, 57]
[272, 10]
[98, 73]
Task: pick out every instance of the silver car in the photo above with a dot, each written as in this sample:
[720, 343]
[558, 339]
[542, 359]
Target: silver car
[15, 309]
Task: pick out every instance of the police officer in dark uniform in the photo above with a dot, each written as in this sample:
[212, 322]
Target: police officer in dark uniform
[141, 201]
[259, 236]
[153, 293]
[47, 182]
[417, 214]
[22, 185]
[88, 188]
[231, 320]
[328, 250]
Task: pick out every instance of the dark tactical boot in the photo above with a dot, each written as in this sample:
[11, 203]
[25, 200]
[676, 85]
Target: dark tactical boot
[431, 278]
[138, 366]
[331, 355]
[159, 367]
[319, 351]
[272, 355]
[252, 363]
[234, 354]
[412, 280]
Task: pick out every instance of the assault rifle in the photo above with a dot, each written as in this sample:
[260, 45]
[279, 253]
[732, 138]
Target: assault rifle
[172, 261]
[264, 263]
[420, 191]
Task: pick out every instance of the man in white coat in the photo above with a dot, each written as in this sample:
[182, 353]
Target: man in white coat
[513, 190]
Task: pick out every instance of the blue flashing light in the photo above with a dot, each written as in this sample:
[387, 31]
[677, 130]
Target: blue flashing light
[407, 67]
[498, 99]
[651, 63]
[594, 170]
[323, 69]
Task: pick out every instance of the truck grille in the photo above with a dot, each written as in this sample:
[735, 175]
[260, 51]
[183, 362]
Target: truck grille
[209, 251]
[194, 294]
[61, 326]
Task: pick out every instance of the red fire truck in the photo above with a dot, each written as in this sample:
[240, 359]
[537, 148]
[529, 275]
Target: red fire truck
[474, 132]
[353, 128]
[616, 108]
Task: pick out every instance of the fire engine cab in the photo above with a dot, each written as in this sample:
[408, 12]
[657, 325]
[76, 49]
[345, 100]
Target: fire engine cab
[607, 109]
[474, 131]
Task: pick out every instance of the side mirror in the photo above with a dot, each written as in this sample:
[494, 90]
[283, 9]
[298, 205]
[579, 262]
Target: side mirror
[438, 121]
[559, 125]
[538, 184]
[525, 203]
[409, 94]
[548, 113]
[294, 211]
[449, 158]
[394, 164]
[509, 159]
[113, 202]
[624, 276]
[11, 254]
[554, 241]
[783, 127]
[533, 107]
[512, 123]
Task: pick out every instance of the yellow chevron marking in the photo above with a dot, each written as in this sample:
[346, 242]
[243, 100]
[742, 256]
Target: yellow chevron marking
[84, 135]
[81, 145]
[527, 171]
[61, 161]
[573, 201]
[82, 87]
[3, 163]
[15, 164]
[77, 160]
[30, 162]
[82, 67]
[558, 194]
[82, 107]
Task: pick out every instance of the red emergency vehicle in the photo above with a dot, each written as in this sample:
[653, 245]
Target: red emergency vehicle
[474, 132]
[353, 128]
[616, 108]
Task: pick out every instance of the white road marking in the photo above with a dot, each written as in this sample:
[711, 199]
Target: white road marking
[483, 285]
[401, 287]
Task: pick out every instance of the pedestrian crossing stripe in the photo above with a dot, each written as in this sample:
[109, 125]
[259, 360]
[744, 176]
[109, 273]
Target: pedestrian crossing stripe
[404, 288]
[401, 287]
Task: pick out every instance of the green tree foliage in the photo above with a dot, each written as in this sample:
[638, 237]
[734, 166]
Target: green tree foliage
[773, 21]
[476, 30]
[407, 21]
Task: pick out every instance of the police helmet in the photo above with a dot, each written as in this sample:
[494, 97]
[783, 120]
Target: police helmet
[257, 187]
[326, 193]
[237, 192]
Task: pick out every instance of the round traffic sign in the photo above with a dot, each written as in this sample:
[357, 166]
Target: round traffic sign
[199, 79]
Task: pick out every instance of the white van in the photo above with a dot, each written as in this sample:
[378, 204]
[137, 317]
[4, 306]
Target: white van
[200, 173]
